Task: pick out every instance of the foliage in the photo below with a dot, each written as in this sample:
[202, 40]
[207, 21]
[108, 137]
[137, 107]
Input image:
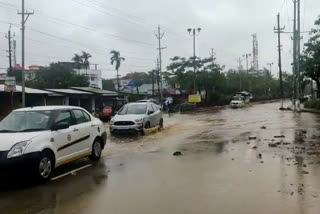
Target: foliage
[85, 57]
[15, 73]
[58, 76]
[82, 60]
[315, 104]
[116, 59]
[310, 60]
[219, 85]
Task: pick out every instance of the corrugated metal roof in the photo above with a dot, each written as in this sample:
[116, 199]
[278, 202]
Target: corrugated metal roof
[96, 91]
[69, 91]
[27, 90]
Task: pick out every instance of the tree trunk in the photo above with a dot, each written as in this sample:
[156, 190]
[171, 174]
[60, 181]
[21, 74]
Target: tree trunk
[118, 82]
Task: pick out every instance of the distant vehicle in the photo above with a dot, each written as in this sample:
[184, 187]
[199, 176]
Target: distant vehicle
[245, 96]
[237, 104]
[37, 140]
[110, 109]
[136, 117]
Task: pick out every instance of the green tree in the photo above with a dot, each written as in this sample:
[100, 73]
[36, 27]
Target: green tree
[78, 61]
[310, 59]
[85, 57]
[116, 60]
[58, 76]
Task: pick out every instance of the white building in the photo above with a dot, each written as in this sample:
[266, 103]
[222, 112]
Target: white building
[94, 76]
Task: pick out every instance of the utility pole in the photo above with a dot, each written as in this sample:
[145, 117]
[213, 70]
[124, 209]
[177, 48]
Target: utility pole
[152, 77]
[294, 55]
[279, 30]
[270, 70]
[240, 73]
[9, 37]
[14, 52]
[247, 64]
[159, 36]
[158, 79]
[24, 17]
[298, 37]
[193, 33]
[247, 61]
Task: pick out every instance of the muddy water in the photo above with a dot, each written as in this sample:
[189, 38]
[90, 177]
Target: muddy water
[220, 171]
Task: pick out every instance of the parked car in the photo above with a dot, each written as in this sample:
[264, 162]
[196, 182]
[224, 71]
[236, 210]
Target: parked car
[37, 140]
[237, 104]
[136, 117]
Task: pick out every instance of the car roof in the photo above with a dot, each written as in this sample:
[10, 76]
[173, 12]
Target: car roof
[47, 108]
[137, 103]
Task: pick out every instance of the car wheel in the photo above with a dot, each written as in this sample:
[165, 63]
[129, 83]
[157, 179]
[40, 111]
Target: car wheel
[96, 151]
[146, 126]
[45, 166]
[161, 124]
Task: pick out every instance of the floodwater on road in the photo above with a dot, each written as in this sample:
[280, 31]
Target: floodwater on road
[252, 160]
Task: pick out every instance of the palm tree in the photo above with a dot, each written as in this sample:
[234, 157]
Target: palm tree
[78, 61]
[116, 59]
[85, 57]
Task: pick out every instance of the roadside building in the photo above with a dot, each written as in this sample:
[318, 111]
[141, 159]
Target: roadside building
[13, 100]
[101, 97]
[71, 97]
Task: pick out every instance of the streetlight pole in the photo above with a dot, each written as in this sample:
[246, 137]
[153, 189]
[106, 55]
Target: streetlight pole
[193, 33]
[270, 65]
[247, 61]
[247, 64]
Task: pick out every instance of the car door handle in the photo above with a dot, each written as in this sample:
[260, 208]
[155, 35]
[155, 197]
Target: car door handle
[93, 125]
[75, 130]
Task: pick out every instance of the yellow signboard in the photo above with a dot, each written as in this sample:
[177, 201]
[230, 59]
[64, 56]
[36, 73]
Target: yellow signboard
[194, 98]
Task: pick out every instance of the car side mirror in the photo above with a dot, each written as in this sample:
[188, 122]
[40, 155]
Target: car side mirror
[60, 126]
[150, 112]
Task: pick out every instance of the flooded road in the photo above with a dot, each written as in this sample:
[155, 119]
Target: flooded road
[251, 160]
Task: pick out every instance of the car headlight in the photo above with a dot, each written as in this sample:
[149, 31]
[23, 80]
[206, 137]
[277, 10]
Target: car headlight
[111, 121]
[18, 149]
[138, 120]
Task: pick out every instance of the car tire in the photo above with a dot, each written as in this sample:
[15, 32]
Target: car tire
[45, 166]
[161, 124]
[146, 126]
[96, 151]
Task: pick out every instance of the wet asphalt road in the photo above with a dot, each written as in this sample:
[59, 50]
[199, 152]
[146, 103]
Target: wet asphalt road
[220, 171]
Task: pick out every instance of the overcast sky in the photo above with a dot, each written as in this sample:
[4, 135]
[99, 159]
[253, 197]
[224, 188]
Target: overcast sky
[61, 28]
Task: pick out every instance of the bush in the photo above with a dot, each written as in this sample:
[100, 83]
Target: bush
[312, 104]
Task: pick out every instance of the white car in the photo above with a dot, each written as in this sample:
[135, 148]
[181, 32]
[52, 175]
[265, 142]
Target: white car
[135, 117]
[39, 139]
[237, 104]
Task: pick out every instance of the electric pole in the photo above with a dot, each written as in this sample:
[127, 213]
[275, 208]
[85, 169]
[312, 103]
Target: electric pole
[158, 79]
[9, 37]
[193, 33]
[279, 30]
[14, 52]
[240, 73]
[294, 67]
[298, 37]
[159, 36]
[270, 70]
[24, 17]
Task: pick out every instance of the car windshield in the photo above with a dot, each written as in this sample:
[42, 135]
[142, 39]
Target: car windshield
[133, 109]
[26, 121]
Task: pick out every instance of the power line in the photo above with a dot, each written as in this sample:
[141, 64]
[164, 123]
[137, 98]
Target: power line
[59, 21]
